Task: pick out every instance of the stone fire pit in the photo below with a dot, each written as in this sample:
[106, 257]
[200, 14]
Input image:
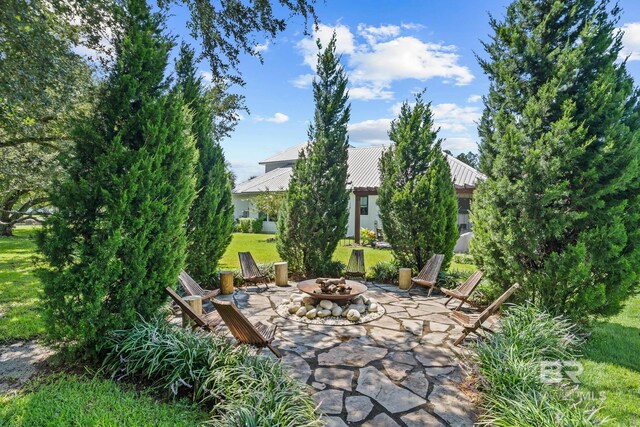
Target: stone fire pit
[313, 289]
[314, 307]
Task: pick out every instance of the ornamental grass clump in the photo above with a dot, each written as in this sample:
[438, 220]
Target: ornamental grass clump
[509, 365]
[239, 387]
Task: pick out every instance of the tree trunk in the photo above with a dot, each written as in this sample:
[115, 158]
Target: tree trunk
[6, 230]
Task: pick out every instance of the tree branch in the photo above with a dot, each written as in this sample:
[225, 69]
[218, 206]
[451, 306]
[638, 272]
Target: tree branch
[45, 141]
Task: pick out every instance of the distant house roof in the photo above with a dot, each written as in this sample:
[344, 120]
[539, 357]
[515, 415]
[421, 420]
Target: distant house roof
[290, 154]
[276, 180]
[362, 168]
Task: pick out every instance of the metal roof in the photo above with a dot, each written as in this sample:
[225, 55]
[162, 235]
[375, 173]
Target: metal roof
[290, 154]
[275, 180]
[363, 171]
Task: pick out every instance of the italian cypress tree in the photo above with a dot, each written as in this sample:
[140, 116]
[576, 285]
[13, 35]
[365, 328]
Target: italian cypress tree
[317, 199]
[417, 199]
[560, 143]
[117, 236]
[210, 221]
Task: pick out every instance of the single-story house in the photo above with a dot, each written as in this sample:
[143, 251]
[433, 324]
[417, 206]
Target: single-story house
[363, 183]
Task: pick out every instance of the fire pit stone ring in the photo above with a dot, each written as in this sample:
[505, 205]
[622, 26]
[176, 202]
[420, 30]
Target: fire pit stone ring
[309, 286]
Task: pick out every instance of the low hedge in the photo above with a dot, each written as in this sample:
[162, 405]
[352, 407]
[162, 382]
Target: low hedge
[508, 365]
[238, 387]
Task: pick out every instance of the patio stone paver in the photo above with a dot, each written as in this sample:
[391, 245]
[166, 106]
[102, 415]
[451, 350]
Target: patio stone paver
[421, 418]
[335, 377]
[351, 354]
[380, 388]
[358, 407]
[381, 420]
[398, 370]
[330, 401]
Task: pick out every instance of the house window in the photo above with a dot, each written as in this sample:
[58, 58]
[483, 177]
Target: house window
[464, 205]
[245, 214]
[364, 205]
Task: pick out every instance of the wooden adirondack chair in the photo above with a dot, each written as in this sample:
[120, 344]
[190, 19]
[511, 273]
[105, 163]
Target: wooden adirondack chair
[243, 330]
[191, 287]
[208, 321]
[428, 276]
[464, 290]
[355, 268]
[471, 322]
[250, 271]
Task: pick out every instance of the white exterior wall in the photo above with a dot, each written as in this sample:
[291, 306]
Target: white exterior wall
[366, 221]
[243, 203]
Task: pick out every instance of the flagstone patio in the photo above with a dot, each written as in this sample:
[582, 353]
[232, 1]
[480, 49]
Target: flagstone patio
[399, 370]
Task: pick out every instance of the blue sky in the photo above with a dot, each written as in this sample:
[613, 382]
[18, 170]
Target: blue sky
[391, 50]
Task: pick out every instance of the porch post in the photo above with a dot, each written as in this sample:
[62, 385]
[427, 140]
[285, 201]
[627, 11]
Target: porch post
[356, 229]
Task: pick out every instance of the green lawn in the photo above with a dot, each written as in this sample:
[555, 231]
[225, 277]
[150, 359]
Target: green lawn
[264, 251]
[612, 365]
[67, 400]
[20, 290]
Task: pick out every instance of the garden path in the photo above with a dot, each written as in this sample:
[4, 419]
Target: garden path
[399, 370]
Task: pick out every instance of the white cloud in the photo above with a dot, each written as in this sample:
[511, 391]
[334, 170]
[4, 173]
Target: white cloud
[408, 58]
[454, 118]
[207, 76]
[631, 41]
[374, 34]
[370, 131]
[460, 144]
[368, 93]
[303, 81]
[474, 98]
[412, 26]
[262, 47]
[379, 56]
[449, 117]
[344, 42]
[276, 118]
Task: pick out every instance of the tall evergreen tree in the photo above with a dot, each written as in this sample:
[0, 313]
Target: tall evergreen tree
[117, 237]
[317, 199]
[560, 209]
[417, 199]
[210, 221]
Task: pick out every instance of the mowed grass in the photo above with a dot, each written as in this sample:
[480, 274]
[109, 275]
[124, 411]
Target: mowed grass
[20, 289]
[264, 251]
[68, 400]
[612, 365]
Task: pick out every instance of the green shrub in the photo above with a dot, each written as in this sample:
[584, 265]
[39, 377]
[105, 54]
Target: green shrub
[240, 387]
[210, 222]
[116, 237]
[462, 259]
[256, 225]
[244, 225]
[249, 225]
[385, 272]
[416, 198]
[367, 236]
[508, 364]
[332, 268]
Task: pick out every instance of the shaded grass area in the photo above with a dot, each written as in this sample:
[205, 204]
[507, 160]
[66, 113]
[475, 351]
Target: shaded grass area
[612, 365]
[20, 289]
[264, 251]
[69, 400]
